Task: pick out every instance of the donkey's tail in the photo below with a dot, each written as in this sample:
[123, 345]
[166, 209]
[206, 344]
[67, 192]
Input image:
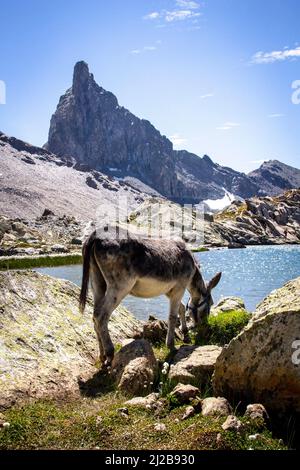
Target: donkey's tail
[86, 258]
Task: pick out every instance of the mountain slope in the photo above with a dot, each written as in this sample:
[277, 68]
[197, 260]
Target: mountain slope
[32, 179]
[92, 127]
[275, 177]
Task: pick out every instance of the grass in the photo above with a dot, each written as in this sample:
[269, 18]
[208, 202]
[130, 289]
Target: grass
[96, 423]
[226, 325]
[199, 249]
[28, 262]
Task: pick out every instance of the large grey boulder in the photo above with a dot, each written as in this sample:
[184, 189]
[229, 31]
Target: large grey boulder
[194, 365]
[45, 343]
[262, 364]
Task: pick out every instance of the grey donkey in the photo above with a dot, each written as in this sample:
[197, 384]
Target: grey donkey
[142, 267]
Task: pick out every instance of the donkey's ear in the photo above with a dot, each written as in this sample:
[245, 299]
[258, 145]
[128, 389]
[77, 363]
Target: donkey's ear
[214, 281]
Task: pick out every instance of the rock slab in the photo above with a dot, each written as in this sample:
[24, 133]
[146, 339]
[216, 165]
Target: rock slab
[45, 343]
[262, 364]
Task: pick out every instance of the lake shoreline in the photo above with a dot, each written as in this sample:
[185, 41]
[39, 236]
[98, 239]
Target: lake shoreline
[75, 258]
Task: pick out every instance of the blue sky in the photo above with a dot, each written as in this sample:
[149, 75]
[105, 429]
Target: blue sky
[214, 76]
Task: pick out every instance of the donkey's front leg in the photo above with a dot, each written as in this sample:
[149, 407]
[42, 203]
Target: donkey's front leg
[184, 327]
[175, 297]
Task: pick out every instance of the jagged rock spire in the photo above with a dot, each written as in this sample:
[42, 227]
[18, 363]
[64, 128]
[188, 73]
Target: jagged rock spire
[81, 76]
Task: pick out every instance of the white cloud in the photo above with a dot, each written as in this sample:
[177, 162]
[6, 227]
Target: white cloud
[177, 140]
[276, 56]
[152, 16]
[207, 95]
[184, 10]
[228, 126]
[180, 15]
[275, 115]
[144, 49]
[187, 4]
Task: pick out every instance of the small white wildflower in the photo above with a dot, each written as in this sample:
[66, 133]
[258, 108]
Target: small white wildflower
[160, 427]
[99, 420]
[6, 425]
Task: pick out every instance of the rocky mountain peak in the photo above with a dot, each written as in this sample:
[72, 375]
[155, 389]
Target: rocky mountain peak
[81, 76]
[90, 126]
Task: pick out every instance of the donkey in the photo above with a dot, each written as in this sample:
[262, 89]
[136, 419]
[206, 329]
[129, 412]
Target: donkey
[143, 268]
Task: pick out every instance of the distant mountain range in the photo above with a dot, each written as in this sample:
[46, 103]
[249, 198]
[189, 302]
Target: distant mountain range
[275, 177]
[90, 126]
[98, 150]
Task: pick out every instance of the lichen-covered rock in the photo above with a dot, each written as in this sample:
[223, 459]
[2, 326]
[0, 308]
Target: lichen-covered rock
[194, 364]
[45, 343]
[134, 368]
[228, 304]
[261, 364]
[212, 406]
[184, 393]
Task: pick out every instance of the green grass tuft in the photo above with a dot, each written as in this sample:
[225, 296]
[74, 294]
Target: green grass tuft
[226, 325]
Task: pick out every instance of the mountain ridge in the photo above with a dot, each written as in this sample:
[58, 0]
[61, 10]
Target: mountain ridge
[91, 126]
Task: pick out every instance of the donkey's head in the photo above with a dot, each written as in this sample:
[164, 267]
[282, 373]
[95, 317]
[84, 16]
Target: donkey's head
[201, 300]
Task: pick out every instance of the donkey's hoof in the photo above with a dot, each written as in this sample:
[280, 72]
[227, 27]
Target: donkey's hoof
[107, 362]
[187, 339]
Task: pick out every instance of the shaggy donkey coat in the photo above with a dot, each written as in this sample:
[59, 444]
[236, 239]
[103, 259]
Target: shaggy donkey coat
[143, 268]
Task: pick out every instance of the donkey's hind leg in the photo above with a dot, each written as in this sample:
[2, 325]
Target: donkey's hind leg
[113, 296]
[98, 285]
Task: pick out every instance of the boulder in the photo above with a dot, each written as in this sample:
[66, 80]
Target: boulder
[261, 364]
[232, 424]
[256, 411]
[45, 343]
[194, 364]
[147, 402]
[134, 368]
[189, 413]
[155, 330]
[227, 304]
[184, 393]
[213, 406]
[58, 248]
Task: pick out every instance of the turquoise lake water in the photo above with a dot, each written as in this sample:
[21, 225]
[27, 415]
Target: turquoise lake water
[250, 273]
